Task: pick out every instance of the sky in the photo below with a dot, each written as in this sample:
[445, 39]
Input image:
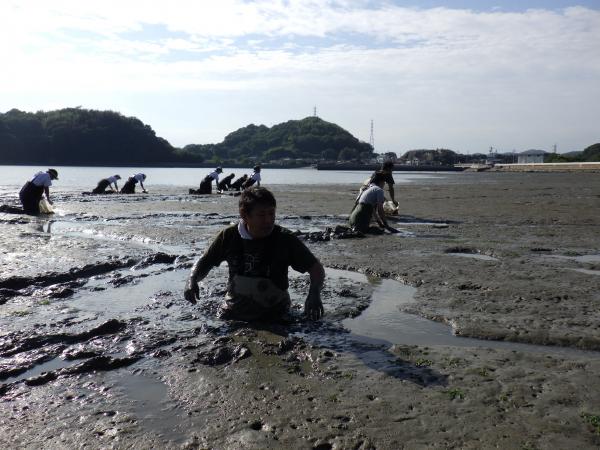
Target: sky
[465, 75]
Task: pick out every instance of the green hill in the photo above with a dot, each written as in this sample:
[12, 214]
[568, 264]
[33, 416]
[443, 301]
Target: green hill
[76, 136]
[79, 137]
[310, 138]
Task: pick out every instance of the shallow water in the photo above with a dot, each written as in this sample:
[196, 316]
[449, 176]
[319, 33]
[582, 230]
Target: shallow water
[474, 256]
[384, 320]
[85, 178]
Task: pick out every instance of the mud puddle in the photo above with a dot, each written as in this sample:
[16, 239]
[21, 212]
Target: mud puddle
[148, 400]
[384, 321]
[474, 256]
[581, 258]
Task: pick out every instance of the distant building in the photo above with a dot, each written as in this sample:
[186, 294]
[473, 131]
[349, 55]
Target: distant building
[531, 156]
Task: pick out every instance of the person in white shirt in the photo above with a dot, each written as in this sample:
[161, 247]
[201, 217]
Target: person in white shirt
[107, 183]
[370, 204]
[253, 179]
[206, 183]
[129, 186]
[31, 193]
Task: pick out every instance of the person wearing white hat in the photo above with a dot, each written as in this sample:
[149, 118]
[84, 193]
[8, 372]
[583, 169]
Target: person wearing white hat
[31, 193]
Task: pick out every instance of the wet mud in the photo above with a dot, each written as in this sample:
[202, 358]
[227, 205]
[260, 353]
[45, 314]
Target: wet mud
[98, 348]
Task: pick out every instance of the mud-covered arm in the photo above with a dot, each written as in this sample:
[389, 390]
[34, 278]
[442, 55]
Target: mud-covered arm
[213, 256]
[382, 221]
[392, 197]
[142, 186]
[47, 192]
[313, 307]
[199, 270]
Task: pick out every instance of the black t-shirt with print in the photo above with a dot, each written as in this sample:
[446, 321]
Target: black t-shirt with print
[269, 257]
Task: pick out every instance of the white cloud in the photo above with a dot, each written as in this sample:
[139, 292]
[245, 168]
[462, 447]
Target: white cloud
[449, 64]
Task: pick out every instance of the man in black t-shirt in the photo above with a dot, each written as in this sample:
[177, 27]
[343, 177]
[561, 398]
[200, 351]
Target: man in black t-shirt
[258, 254]
[387, 168]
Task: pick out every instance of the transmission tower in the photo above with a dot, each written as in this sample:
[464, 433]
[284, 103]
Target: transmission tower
[315, 111]
[372, 137]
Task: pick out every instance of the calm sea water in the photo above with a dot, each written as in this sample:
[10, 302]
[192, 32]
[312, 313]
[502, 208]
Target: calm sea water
[86, 177]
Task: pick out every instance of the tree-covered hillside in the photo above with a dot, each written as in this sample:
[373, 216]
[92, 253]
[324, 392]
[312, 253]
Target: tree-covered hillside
[79, 136]
[76, 136]
[589, 154]
[310, 138]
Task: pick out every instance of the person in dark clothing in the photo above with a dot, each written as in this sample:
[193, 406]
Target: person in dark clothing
[258, 254]
[206, 183]
[386, 169]
[368, 205]
[254, 179]
[107, 183]
[129, 186]
[225, 183]
[237, 184]
[31, 193]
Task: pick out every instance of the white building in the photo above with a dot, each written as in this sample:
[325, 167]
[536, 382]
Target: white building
[531, 156]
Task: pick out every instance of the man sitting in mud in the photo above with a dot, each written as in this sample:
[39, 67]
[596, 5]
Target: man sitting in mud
[107, 183]
[258, 254]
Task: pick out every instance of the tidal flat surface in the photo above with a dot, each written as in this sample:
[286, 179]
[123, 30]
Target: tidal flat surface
[99, 348]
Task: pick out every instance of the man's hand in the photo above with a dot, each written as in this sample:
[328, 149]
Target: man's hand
[395, 203]
[192, 291]
[145, 191]
[313, 308]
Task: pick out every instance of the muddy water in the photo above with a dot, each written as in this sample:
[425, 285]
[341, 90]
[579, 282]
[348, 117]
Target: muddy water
[384, 320]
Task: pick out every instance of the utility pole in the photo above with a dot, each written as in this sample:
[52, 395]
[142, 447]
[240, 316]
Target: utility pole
[315, 111]
[372, 138]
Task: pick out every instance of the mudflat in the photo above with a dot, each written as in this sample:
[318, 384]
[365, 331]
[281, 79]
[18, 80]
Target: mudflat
[98, 348]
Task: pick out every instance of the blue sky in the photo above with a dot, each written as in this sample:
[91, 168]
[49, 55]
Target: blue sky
[465, 75]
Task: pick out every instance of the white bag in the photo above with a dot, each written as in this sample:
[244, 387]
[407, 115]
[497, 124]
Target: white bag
[45, 207]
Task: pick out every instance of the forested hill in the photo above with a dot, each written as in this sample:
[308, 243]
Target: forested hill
[76, 136]
[310, 138]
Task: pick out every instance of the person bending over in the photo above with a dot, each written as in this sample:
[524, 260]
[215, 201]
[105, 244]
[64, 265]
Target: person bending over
[129, 186]
[32, 191]
[237, 184]
[369, 204]
[254, 179]
[386, 168]
[206, 183]
[258, 254]
[225, 183]
[107, 183]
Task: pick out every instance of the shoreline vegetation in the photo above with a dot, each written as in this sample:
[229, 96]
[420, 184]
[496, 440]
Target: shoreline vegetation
[84, 137]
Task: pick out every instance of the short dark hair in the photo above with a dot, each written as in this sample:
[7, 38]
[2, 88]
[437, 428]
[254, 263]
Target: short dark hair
[387, 165]
[378, 177]
[252, 197]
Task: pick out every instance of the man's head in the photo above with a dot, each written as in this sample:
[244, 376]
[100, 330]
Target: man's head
[53, 174]
[257, 210]
[117, 177]
[256, 168]
[378, 179]
[219, 170]
[387, 166]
